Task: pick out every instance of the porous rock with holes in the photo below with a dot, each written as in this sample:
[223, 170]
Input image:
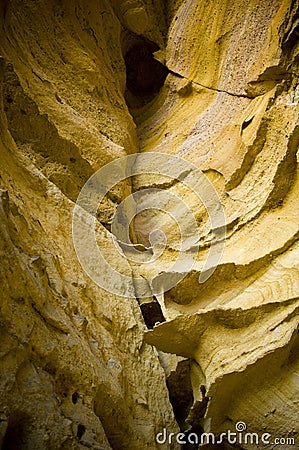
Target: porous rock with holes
[84, 83]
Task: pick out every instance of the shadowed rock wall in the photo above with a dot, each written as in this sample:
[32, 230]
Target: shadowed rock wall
[84, 83]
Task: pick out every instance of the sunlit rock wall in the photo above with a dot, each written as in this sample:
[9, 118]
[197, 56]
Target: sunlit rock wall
[75, 372]
[78, 367]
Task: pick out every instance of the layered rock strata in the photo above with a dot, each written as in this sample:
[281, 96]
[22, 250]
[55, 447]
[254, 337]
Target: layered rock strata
[214, 84]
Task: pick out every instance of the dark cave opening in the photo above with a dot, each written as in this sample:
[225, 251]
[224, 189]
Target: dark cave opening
[144, 74]
[80, 430]
[16, 432]
[75, 397]
[180, 391]
[152, 313]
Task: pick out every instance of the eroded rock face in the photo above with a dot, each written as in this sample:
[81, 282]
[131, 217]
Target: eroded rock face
[79, 368]
[75, 372]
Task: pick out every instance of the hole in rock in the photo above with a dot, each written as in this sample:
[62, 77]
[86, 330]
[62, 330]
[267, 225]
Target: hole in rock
[246, 123]
[75, 397]
[16, 432]
[291, 40]
[80, 431]
[152, 314]
[180, 391]
[145, 75]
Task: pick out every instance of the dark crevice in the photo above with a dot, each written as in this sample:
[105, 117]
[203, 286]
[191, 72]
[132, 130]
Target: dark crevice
[246, 123]
[152, 313]
[75, 397]
[80, 431]
[271, 80]
[57, 158]
[16, 432]
[145, 76]
[180, 392]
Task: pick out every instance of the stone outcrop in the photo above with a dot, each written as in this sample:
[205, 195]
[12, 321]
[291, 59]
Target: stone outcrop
[215, 85]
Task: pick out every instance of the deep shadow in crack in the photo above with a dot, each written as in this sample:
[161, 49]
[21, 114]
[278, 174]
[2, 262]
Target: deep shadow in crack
[144, 74]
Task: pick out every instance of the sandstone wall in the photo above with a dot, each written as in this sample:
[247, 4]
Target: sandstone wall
[79, 367]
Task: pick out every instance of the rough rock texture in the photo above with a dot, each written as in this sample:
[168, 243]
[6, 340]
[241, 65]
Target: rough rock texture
[75, 372]
[78, 367]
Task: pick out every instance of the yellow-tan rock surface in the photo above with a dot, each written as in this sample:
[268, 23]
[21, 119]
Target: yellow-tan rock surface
[79, 366]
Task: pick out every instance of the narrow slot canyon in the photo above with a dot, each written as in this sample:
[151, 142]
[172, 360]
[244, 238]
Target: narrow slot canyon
[145, 75]
[149, 225]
